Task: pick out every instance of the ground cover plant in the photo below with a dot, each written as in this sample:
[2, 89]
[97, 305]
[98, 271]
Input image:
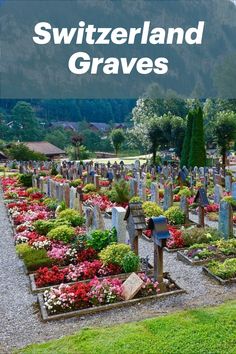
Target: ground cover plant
[224, 270]
[217, 249]
[198, 331]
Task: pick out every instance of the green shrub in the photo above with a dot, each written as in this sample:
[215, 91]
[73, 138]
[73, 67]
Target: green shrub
[151, 209]
[199, 235]
[225, 270]
[176, 190]
[90, 187]
[33, 258]
[76, 183]
[185, 192]
[51, 203]
[43, 227]
[114, 254]
[131, 262]
[26, 179]
[99, 239]
[135, 200]
[120, 192]
[175, 215]
[72, 216]
[32, 190]
[62, 233]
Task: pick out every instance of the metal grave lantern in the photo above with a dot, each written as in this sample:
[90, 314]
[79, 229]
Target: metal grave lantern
[159, 228]
[160, 233]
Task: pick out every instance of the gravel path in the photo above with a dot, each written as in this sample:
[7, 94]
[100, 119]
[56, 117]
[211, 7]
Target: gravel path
[20, 319]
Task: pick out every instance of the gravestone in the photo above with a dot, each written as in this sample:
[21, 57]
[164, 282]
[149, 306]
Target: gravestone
[67, 194]
[131, 286]
[168, 197]
[217, 179]
[61, 192]
[52, 189]
[96, 182]
[118, 214]
[218, 193]
[72, 197]
[41, 184]
[228, 181]
[154, 193]
[98, 222]
[234, 190]
[142, 190]
[225, 225]
[48, 187]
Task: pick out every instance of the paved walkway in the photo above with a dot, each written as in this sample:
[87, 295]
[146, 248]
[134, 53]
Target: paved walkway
[20, 319]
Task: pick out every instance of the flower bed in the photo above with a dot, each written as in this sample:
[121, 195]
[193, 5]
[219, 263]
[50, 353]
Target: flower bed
[223, 272]
[203, 253]
[35, 288]
[98, 295]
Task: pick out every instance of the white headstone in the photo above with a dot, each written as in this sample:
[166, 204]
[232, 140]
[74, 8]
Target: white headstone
[118, 214]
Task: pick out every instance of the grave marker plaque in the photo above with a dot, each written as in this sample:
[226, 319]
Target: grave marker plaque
[131, 286]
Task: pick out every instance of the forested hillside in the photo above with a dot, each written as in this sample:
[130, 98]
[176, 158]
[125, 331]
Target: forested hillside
[76, 110]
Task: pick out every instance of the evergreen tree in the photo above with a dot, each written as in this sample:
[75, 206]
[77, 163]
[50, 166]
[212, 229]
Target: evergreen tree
[187, 140]
[197, 156]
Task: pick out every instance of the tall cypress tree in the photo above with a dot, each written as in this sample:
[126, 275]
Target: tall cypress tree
[197, 156]
[187, 141]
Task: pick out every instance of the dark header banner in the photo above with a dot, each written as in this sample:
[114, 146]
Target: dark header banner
[118, 48]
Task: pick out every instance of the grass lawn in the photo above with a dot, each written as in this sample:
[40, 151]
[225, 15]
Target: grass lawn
[201, 331]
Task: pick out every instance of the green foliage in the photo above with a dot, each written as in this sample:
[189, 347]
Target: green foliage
[131, 262]
[25, 125]
[114, 254]
[21, 152]
[90, 187]
[175, 215]
[32, 190]
[53, 170]
[62, 233]
[33, 258]
[26, 179]
[42, 227]
[197, 235]
[120, 192]
[197, 155]
[135, 200]
[117, 138]
[76, 182]
[187, 140]
[225, 131]
[229, 200]
[185, 192]
[225, 270]
[72, 216]
[51, 203]
[99, 239]
[152, 209]
[58, 137]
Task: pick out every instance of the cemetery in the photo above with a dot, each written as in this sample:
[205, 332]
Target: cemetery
[99, 243]
[81, 238]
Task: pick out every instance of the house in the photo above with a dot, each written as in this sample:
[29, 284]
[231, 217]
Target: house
[66, 125]
[99, 127]
[46, 148]
[104, 127]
